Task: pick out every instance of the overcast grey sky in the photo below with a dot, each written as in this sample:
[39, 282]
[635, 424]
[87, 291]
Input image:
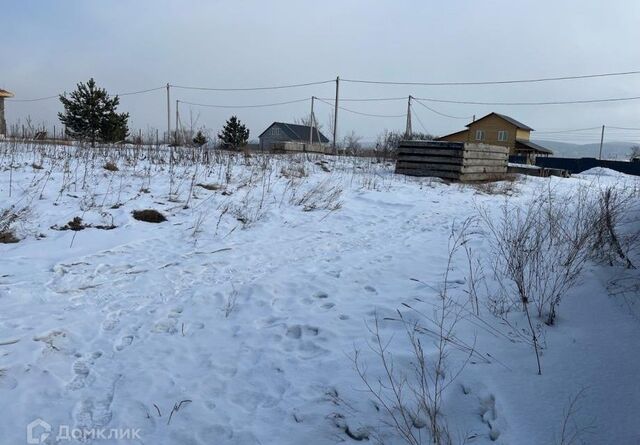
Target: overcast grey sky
[131, 45]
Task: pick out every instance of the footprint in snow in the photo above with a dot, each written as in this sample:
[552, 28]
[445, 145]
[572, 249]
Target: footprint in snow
[489, 415]
[95, 411]
[123, 342]
[80, 374]
[167, 326]
[110, 323]
[296, 331]
[6, 381]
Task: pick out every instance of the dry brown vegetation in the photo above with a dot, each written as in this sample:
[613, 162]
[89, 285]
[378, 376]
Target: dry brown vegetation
[149, 215]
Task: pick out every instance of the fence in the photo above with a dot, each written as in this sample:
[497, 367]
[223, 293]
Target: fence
[578, 165]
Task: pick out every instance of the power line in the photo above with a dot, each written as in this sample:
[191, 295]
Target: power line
[361, 113]
[246, 106]
[367, 99]
[33, 100]
[420, 122]
[568, 131]
[462, 102]
[130, 93]
[442, 114]
[496, 82]
[279, 87]
[566, 102]
[624, 128]
[140, 92]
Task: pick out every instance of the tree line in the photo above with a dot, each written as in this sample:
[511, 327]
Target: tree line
[90, 114]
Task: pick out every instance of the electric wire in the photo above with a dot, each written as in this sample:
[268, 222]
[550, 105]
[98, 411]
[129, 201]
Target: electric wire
[274, 104]
[496, 82]
[278, 87]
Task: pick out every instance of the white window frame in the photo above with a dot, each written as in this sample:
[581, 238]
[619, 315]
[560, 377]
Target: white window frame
[503, 135]
[479, 135]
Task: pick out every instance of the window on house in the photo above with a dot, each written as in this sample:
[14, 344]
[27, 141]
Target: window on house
[503, 135]
[479, 135]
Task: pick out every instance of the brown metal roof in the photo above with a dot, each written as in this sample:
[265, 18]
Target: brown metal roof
[535, 147]
[451, 134]
[5, 93]
[506, 118]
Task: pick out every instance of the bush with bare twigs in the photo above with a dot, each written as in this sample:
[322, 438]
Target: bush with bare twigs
[412, 399]
[538, 252]
[616, 231]
[10, 219]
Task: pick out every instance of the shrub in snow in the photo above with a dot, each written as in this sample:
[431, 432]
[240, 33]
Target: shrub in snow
[412, 398]
[615, 225]
[538, 252]
[149, 215]
[9, 220]
[111, 166]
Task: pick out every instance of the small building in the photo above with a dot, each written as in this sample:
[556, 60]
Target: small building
[502, 130]
[279, 133]
[3, 123]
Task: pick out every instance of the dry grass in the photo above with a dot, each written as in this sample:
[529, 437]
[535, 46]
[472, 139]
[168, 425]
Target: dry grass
[8, 237]
[211, 187]
[9, 219]
[111, 166]
[149, 215]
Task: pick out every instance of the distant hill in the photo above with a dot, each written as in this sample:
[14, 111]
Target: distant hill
[610, 150]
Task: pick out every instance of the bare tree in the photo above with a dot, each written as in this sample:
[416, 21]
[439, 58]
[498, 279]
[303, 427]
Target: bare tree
[351, 143]
[306, 121]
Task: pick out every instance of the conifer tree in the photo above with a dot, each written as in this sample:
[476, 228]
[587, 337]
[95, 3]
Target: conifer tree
[200, 139]
[89, 113]
[235, 134]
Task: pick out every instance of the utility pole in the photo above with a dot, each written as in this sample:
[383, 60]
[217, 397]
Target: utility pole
[408, 132]
[177, 120]
[335, 117]
[311, 119]
[601, 141]
[168, 138]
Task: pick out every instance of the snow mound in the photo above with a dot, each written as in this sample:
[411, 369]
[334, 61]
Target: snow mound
[602, 171]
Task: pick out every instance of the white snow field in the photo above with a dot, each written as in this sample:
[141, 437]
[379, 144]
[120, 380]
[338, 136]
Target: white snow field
[236, 321]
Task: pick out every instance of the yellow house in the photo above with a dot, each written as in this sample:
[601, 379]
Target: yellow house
[498, 129]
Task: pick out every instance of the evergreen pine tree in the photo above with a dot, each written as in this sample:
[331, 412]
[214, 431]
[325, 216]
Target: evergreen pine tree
[90, 114]
[200, 139]
[234, 135]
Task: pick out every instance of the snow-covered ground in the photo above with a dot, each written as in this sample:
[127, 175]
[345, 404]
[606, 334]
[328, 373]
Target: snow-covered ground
[244, 310]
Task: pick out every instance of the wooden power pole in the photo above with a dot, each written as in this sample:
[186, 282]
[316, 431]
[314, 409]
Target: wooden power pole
[408, 132]
[177, 120]
[311, 122]
[601, 141]
[335, 117]
[168, 138]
